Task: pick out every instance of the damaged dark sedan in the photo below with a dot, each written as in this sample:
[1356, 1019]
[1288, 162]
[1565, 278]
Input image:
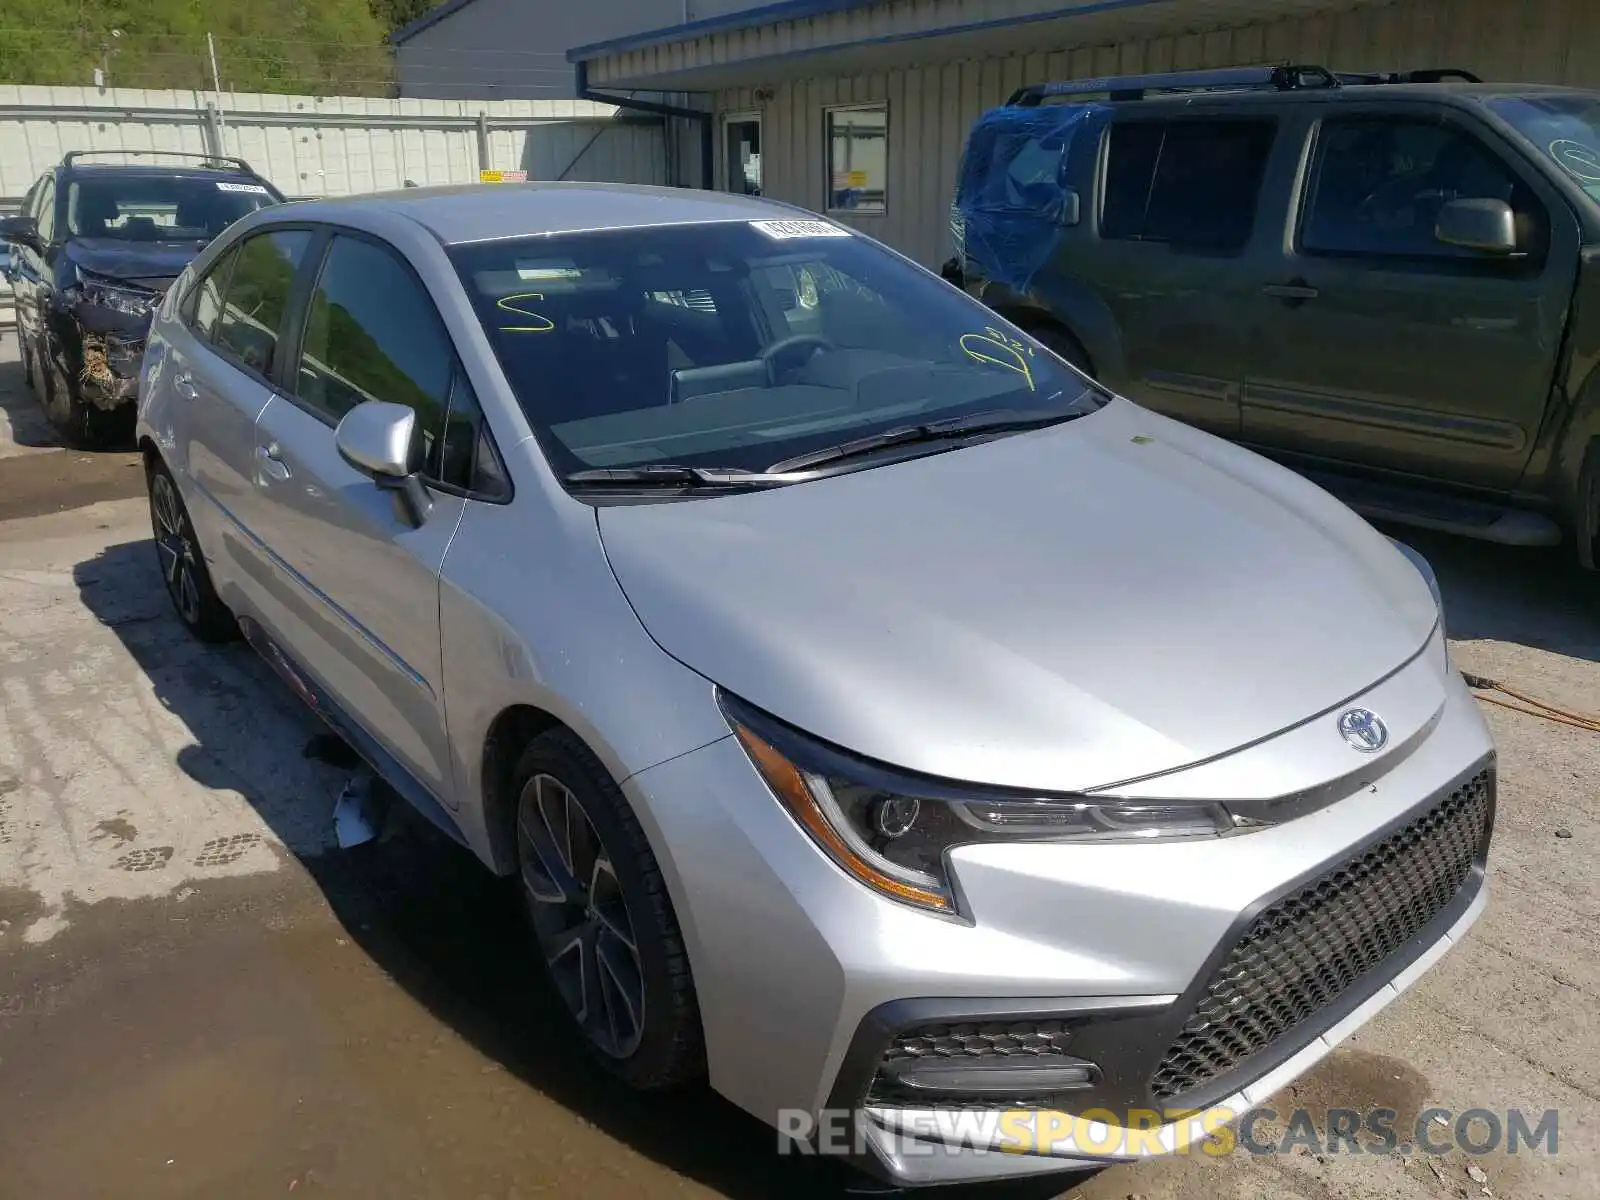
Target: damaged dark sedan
[93, 250]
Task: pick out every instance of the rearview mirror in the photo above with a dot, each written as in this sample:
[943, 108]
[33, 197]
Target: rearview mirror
[21, 231]
[1488, 226]
[384, 441]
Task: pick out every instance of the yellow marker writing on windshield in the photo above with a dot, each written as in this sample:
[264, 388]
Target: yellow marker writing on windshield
[992, 346]
[544, 324]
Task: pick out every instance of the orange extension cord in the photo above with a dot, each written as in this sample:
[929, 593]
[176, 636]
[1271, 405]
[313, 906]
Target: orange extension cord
[1484, 690]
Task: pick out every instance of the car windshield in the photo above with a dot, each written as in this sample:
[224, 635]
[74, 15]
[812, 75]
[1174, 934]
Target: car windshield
[741, 344]
[1566, 128]
[155, 208]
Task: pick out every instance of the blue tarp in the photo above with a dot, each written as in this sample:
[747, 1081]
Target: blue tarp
[1011, 190]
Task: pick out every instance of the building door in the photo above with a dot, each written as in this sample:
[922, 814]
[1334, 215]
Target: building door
[741, 142]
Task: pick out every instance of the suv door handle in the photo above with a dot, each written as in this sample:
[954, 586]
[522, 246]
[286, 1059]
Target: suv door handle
[1297, 289]
[270, 460]
[183, 384]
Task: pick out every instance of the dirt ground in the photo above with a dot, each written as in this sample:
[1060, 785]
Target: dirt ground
[201, 996]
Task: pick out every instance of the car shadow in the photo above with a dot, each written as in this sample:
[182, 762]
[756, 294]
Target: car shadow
[1538, 598]
[425, 910]
[28, 424]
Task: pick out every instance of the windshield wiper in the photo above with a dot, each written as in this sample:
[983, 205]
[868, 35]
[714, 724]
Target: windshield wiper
[1001, 421]
[672, 475]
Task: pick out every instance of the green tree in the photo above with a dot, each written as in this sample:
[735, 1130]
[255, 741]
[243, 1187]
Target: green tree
[319, 47]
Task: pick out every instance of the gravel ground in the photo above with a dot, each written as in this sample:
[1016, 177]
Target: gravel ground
[199, 998]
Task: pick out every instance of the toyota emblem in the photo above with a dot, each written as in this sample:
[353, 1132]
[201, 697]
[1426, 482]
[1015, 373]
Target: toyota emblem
[1363, 729]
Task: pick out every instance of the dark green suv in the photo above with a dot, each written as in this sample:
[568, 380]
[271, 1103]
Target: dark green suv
[1390, 281]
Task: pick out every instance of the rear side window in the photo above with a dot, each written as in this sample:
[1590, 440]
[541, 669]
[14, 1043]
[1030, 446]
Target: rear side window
[372, 333]
[1191, 184]
[250, 322]
[1377, 185]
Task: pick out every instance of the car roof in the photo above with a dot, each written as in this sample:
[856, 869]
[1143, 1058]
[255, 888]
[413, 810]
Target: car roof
[488, 212]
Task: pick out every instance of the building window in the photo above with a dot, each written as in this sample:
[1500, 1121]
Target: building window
[1191, 184]
[858, 158]
[742, 148]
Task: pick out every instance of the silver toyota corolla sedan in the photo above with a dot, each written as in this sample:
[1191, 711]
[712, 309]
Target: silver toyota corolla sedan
[883, 720]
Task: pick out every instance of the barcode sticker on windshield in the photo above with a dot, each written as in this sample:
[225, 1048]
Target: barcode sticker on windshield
[253, 188]
[782, 231]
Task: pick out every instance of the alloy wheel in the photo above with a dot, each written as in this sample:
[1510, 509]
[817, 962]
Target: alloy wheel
[580, 916]
[175, 549]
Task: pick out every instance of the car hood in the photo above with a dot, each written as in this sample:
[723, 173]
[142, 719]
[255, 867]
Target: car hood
[1104, 600]
[138, 261]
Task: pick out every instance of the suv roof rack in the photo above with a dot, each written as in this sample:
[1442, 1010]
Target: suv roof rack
[210, 160]
[1134, 87]
[1287, 78]
[1431, 75]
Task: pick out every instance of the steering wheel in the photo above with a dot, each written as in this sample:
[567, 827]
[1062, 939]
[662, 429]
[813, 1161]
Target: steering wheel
[783, 346]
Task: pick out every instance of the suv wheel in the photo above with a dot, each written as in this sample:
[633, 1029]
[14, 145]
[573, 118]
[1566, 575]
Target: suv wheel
[183, 567]
[601, 916]
[86, 426]
[1065, 345]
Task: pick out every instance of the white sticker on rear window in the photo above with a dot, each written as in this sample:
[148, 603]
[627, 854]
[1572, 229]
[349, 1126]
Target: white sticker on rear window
[253, 188]
[782, 231]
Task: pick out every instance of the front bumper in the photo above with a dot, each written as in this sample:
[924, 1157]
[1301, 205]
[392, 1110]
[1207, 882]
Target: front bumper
[101, 353]
[805, 978]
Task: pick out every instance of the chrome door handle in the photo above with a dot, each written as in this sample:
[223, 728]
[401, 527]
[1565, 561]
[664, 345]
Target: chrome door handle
[1291, 291]
[269, 459]
[183, 384]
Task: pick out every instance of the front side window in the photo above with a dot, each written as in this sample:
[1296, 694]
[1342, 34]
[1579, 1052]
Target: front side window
[373, 333]
[741, 344]
[858, 158]
[204, 304]
[47, 211]
[1564, 128]
[258, 296]
[1377, 186]
[1191, 184]
[155, 208]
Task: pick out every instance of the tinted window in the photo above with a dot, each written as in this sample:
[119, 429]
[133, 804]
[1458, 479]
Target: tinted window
[204, 304]
[373, 333]
[466, 456]
[258, 296]
[741, 344]
[1377, 186]
[1192, 184]
[155, 208]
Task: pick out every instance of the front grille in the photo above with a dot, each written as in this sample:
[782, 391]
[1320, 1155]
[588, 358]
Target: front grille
[1301, 953]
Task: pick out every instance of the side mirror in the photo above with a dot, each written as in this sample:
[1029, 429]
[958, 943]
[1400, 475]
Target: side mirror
[1488, 226]
[21, 231]
[384, 442]
[1071, 208]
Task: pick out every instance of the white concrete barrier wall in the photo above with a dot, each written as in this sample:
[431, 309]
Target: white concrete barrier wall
[332, 145]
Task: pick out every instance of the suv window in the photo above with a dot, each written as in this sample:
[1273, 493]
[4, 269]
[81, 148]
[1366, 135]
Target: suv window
[1377, 185]
[1192, 184]
[373, 333]
[258, 296]
[47, 211]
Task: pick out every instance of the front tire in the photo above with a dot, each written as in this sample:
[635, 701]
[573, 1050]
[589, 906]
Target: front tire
[601, 917]
[183, 567]
[1064, 345]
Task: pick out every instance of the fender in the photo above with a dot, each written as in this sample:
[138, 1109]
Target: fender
[1067, 304]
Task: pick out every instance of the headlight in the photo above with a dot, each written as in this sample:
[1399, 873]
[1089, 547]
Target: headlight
[1425, 569]
[893, 832]
[107, 293]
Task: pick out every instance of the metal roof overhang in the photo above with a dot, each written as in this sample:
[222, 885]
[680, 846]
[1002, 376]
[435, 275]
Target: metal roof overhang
[806, 38]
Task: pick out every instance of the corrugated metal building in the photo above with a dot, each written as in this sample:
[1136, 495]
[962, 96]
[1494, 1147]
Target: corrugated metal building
[862, 107]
